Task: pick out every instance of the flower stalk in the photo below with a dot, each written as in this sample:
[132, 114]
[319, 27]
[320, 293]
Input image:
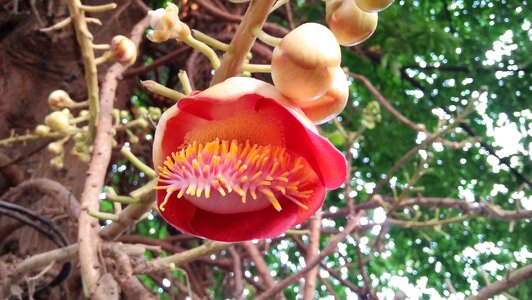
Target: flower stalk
[243, 40]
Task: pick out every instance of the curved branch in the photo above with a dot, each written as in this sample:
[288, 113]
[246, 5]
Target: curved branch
[88, 232]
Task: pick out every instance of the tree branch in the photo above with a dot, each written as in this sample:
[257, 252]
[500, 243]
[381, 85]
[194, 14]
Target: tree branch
[511, 280]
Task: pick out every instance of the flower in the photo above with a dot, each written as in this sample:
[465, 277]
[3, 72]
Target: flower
[166, 24]
[238, 162]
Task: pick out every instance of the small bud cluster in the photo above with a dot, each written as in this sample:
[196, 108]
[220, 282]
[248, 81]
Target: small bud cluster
[371, 115]
[134, 126]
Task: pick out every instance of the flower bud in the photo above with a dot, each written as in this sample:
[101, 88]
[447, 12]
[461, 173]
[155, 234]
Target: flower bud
[142, 123]
[166, 24]
[331, 104]
[55, 148]
[124, 114]
[124, 50]
[57, 162]
[42, 130]
[373, 5]
[142, 111]
[350, 24]
[303, 63]
[154, 113]
[57, 120]
[59, 99]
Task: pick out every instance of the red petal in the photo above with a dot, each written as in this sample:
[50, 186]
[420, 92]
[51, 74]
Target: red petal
[262, 224]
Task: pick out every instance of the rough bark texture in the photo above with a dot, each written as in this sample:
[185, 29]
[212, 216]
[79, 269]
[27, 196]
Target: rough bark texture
[33, 64]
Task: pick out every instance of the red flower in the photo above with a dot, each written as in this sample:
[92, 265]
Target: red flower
[239, 162]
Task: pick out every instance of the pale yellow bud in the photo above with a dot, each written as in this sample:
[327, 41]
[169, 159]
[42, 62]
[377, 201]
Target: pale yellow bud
[373, 5]
[124, 50]
[55, 148]
[59, 99]
[154, 113]
[57, 120]
[142, 123]
[57, 162]
[84, 113]
[331, 104]
[166, 24]
[303, 63]
[350, 24]
[42, 130]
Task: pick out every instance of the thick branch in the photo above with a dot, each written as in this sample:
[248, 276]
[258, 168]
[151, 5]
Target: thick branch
[484, 209]
[313, 250]
[88, 233]
[511, 280]
[331, 247]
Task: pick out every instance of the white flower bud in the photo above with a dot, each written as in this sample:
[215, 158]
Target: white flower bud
[304, 62]
[59, 99]
[124, 50]
[350, 24]
[166, 24]
[57, 162]
[58, 121]
[55, 148]
[331, 104]
[42, 130]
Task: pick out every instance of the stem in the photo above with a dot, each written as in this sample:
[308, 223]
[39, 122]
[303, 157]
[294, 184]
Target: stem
[204, 49]
[109, 55]
[266, 38]
[137, 162]
[102, 215]
[255, 68]
[101, 46]
[97, 8]
[214, 43]
[58, 25]
[171, 262]
[159, 89]
[84, 38]
[121, 199]
[278, 4]
[27, 137]
[185, 82]
[243, 40]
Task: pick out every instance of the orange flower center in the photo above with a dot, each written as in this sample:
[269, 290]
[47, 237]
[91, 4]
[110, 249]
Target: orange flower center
[219, 176]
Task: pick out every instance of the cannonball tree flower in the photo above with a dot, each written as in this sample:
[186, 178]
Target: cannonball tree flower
[239, 161]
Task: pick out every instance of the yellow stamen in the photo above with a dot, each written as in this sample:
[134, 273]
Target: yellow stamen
[244, 169]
